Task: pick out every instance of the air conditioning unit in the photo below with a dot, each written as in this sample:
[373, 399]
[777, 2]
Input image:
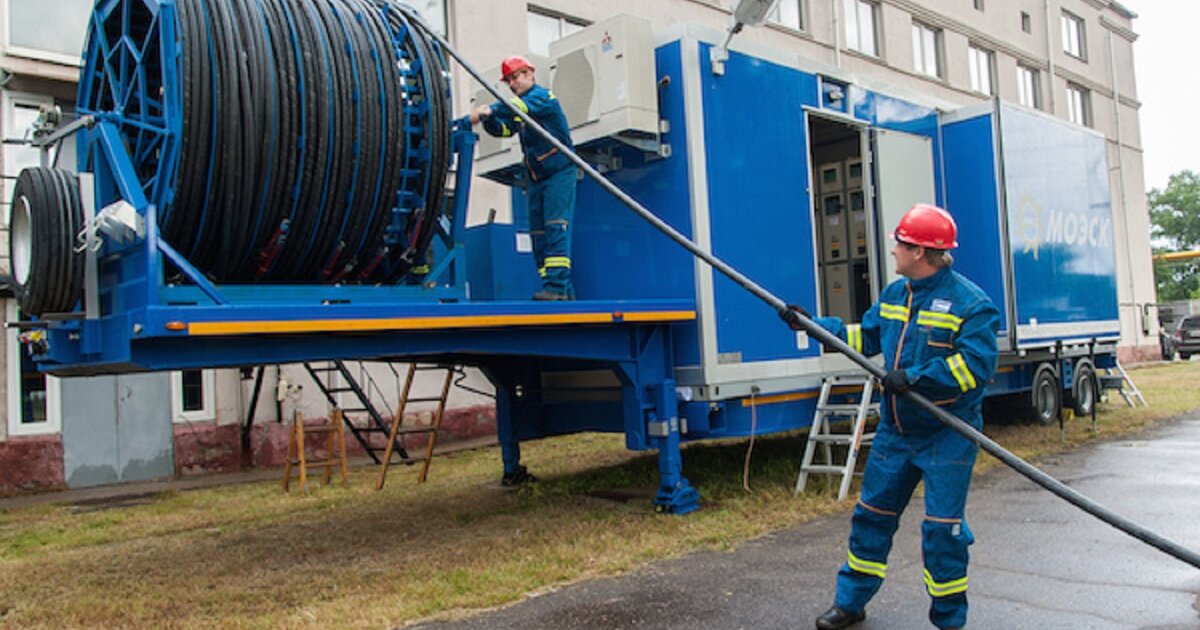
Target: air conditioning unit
[604, 79]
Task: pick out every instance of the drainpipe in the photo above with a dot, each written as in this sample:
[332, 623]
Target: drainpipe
[1050, 54]
[1112, 76]
[837, 33]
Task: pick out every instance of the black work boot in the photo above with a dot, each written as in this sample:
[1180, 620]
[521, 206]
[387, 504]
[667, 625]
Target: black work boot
[835, 618]
[520, 477]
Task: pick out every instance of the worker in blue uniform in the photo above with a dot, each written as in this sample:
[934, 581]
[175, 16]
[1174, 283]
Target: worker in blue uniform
[937, 332]
[551, 185]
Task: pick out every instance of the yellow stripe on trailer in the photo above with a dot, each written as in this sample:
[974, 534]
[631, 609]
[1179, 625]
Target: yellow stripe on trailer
[427, 323]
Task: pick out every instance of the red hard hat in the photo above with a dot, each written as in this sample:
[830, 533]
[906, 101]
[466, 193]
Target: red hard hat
[927, 226]
[512, 64]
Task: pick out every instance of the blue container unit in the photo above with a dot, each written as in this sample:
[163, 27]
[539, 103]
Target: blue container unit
[1031, 194]
[739, 181]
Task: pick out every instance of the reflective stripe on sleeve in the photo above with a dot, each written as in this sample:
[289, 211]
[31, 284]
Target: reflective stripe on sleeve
[558, 261]
[962, 374]
[854, 336]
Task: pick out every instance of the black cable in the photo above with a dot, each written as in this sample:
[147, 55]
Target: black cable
[824, 337]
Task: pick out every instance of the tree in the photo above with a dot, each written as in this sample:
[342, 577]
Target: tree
[1175, 221]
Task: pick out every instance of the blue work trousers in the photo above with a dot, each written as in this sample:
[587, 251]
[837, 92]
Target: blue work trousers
[894, 467]
[551, 216]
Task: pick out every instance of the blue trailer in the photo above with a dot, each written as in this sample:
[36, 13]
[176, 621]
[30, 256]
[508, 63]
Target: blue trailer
[790, 171]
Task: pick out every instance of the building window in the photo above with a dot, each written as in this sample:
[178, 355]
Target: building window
[980, 62]
[789, 14]
[20, 112]
[51, 31]
[1074, 41]
[927, 57]
[193, 396]
[978, 5]
[1026, 22]
[434, 13]
[1029, 91]
[860, 27]
[545, 28]
[1079, 105]
[33, 400]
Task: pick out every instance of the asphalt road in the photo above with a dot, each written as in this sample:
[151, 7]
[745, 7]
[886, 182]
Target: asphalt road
[1038, 562]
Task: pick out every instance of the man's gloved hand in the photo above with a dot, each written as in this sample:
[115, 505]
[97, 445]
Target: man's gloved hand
[784, 315]
[895, 382]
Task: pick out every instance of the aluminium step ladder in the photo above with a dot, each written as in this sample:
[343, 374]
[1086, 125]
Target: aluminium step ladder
[434, 425]
[1117, 378]
[823, 437]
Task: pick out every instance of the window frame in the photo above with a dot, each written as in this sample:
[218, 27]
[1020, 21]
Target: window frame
[976, 55]
[560, 18]
[208, 409]
[1026, 22]
[1034, 86]
[776, 17]
[854, 7]
[1074, 25]
[38, 54]
[16, 428]
[920, 33]
[1084, 116]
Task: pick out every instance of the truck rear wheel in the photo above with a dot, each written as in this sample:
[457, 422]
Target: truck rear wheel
[1046, 396]
[1083, 392]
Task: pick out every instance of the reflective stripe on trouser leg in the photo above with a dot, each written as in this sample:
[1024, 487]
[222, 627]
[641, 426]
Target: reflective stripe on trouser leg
[559, 218]
[888, 483]
[945, 536]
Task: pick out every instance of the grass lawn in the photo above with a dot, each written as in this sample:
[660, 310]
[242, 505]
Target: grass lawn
[248, 556]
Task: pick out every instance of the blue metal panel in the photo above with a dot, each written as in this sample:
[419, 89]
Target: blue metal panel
[972, 197]
[1060, 226]
[760, 209]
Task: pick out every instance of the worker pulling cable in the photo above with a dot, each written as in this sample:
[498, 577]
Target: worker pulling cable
[798, 320]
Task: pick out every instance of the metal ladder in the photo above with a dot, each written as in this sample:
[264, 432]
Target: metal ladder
[1121, 382]
[434, 425]
[822, 435]
[376, 425]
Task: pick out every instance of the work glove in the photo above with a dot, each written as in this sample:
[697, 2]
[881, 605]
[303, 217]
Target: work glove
[895, 382]
[785, 315]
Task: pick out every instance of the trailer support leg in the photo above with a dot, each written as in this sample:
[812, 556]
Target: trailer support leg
[510, 447]
[675, 494]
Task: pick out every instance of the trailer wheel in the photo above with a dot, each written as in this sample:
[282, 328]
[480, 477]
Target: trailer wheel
[1045, 398]
[44, 217]
[1083, 392]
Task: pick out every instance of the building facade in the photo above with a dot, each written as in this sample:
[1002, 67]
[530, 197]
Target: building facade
[1069, 58]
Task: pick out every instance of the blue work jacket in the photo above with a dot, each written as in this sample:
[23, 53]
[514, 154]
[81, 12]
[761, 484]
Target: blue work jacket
[540, 104]
[942, 331]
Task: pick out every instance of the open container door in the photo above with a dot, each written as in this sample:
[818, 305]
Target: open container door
[903, 169]
[970, 153]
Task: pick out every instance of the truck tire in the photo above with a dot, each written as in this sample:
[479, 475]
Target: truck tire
[1083, 390]
[1046, 396]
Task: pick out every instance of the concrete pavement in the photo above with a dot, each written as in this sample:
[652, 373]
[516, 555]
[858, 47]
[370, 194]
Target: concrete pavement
[1038, 562]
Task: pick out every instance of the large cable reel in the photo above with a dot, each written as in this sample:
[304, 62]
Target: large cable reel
[279, 140]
